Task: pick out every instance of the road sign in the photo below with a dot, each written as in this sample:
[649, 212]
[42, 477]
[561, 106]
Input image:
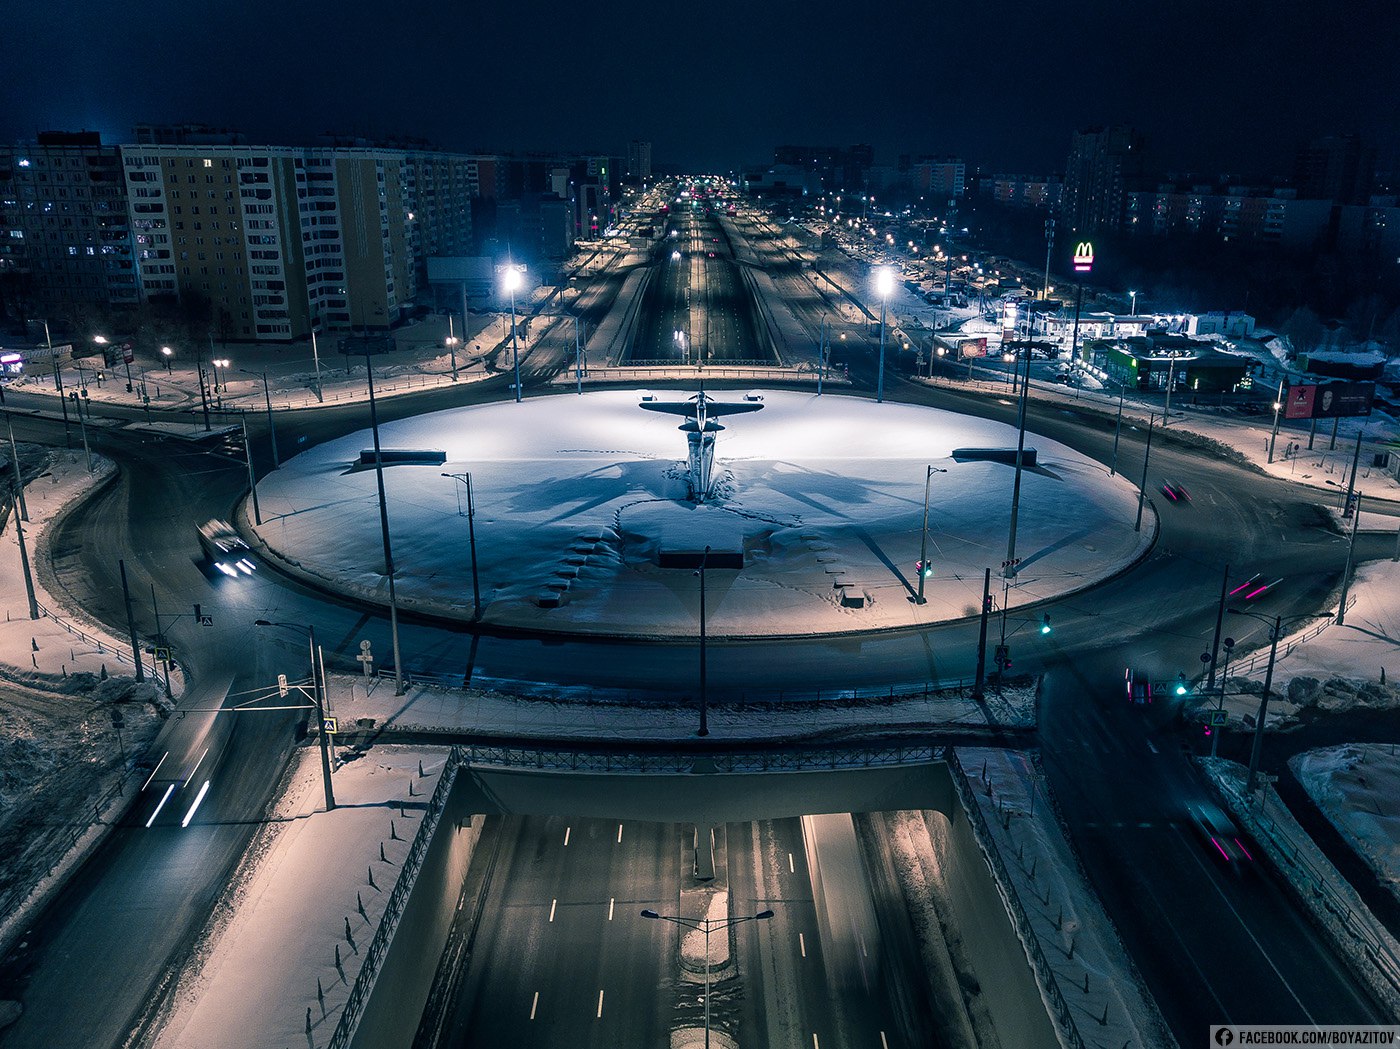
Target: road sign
[206, 620]
[163, 654]
[366, 657]
[282, 688]
[329, 726]
[1219, 718]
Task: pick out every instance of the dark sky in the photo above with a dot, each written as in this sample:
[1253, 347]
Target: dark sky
[1222, 85]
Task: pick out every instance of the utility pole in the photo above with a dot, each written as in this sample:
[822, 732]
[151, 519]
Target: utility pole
[24, 561]
[1348, 506]
[252, 480]
[1219, 622]
[1351, 555]
[384, 527]
[1117, 431]
[980, 680]
[131, 625]
[14, 463]
[1142, 489]
[1010, 570]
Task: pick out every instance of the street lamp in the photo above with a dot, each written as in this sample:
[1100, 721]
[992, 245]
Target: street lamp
[884, 284]
[221, 362]
[923, 536]
[1275, 629]
[707, 925]
[1132, 312]
[271, 429]
[318, 691]
[470, 515]
[167, 353]
[102, 340]
[511, 281]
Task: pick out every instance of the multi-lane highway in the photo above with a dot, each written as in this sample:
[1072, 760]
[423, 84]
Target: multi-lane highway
[1212, 948]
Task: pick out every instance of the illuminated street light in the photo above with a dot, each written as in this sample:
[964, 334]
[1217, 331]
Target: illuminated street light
[511, 281]
[884, 284]
[167, 353]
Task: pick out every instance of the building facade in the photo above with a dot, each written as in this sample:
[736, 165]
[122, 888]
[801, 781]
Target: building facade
[65, 234]
[1103, 162]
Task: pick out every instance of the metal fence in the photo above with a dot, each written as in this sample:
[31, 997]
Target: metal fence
[1315, 884]
[1044, 973]
[393, 909]
[103, 647]
[1261, 657]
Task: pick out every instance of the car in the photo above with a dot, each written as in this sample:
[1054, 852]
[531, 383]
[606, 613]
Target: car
[1225, 840]
[1140, 688]
[1175, 492]
[1064, 377]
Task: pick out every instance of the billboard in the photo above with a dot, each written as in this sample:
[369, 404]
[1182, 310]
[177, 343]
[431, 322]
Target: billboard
[973, 347]
[1330, 400]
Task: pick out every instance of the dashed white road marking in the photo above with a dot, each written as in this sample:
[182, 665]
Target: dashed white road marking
[534, 1005]
[567, 830]
[552, 904]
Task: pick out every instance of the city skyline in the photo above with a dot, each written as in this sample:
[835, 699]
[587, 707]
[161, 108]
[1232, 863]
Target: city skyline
[559, 83]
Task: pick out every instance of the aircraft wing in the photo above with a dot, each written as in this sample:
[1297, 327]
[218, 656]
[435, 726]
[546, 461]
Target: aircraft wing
[670, 407]
[716, 408]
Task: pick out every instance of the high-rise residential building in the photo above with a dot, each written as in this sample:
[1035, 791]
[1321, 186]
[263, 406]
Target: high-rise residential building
[940, 178]
[1103, 163]
[1227, 212]
[65, 235]
[1023, 191]
[1338, 168]
[837, 168]
[638, 161]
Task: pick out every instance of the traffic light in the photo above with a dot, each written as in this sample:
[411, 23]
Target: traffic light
[1181, 686]
[987, 604]
[1045, 623]
[923, 568]
[1003, 657]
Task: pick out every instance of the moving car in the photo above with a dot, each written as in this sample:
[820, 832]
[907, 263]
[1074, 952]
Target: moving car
[225, 549]
[1224, 840]
[1175, 492]
[1140, 688]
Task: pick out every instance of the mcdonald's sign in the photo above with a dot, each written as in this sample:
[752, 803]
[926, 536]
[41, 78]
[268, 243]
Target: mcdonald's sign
[1083, 257]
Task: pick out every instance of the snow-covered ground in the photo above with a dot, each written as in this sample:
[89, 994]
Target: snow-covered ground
[575, 496]
[1356, 786]
[1084, 962]
[301, 912]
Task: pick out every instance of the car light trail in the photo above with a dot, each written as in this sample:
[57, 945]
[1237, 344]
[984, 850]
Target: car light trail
[196, 767]
[155, 770]
[197, 799]
[1246, 583]
[164, 798]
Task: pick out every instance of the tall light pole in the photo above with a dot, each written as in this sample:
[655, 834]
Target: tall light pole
[706, 926]
[1142, 489]
[384, 531]
[884, 284]
[167, 353]
[1117, 431]
[1132, 310]
[316, 359]
[452, 341]
[466, 478]
[929, 471]
[1009, 571]
[1278, 407]
[24, 558]
[511, 281]
[271, 429]
[704, 694]
[252, 479]
[1275, 625]
[318, 692]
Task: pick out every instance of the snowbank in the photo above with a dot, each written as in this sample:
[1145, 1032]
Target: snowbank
[1356, 786]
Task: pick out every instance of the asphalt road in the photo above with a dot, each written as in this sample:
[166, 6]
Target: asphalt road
[136, 906]
[560, 933]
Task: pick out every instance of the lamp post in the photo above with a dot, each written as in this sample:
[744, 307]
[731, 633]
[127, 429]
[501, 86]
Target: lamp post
[704, 694]
[384, 530]
[220, 362]
[466, 478]
[452, 341]
[1132, 310]
[512, 280]
[1278, 407]
[1010, 571]
[929, 471]
[102, 340]
[706, 926]
[167, 353]
[1117, 431]
[884, 284]
[316, 360]
[1142, 489]
[1229, 644]
[1275, 629]
[271, 429]
[318, 691]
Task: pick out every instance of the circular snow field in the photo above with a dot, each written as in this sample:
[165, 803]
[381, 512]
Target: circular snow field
[581, 511]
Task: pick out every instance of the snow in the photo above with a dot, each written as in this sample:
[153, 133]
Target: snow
[279, 927]
[1355, 932]
[1356, 786]
[1086, 961]
[574, 495]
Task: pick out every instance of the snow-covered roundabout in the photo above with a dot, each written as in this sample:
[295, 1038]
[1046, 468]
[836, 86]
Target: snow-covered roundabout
[583, 522]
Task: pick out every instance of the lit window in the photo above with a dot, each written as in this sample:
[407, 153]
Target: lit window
[208, 163]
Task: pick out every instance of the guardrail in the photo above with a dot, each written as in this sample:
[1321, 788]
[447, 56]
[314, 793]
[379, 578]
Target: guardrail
[1044, 973]
[103, 647]
[775, 760]
[1317, 881]
[889, 694]
[393, 908]
[1261, 657]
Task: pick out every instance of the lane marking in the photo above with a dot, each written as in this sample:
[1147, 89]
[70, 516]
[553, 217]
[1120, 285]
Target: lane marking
[802, 944]
[619, 833]
[566, 836]
[552, 904]
[197, 799]
[534, 1005]
[815, 1044]
[791, 869]
[164, 798]
[884, 1043]
[600, 1004]
[611, 901]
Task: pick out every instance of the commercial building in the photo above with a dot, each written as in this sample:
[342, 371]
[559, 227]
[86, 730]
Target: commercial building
[1157, 360]
[65, 234]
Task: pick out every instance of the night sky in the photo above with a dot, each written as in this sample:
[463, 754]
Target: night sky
[1231, 85]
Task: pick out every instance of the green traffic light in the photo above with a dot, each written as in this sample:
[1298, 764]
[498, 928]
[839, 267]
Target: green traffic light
[1045, 624]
